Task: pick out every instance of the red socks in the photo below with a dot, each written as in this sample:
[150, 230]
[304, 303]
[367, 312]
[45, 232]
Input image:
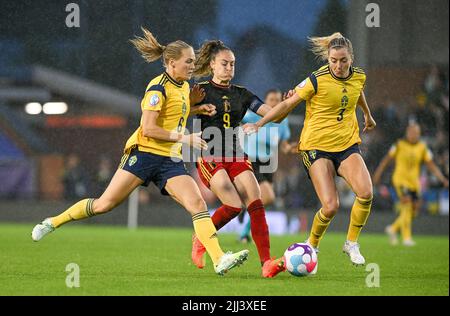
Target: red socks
[260, 230]
[258, 224]
[223, 215]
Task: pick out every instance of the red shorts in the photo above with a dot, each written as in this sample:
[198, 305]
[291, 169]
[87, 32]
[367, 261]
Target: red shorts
[208, 166]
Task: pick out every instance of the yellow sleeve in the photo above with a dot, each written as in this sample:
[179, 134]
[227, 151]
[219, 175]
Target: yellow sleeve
[428, 155]
[305, 89]
[393, 151]
[154, 98]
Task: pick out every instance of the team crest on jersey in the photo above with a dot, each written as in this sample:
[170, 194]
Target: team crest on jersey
[312, 154]
[302, 84]
[344, 101]
[226, 104]
[154, 100]
[132, 161]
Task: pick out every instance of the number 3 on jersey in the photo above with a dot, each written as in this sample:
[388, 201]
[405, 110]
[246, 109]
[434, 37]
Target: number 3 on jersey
[341, 115]
[226, 120]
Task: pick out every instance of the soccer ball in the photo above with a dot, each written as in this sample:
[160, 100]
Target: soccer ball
[300, 259]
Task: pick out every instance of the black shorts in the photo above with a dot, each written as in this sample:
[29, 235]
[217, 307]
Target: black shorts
[404, 191]
[260, 176]
[310, 156]
[153, 168]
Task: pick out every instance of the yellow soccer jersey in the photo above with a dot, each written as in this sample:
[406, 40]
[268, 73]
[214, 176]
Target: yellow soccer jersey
[330, 121]
[171, 99]
[408, 160]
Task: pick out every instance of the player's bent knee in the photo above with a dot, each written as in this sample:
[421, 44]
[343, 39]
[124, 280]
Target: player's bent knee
[272, 197]
[405, 200]
[195, 205]
[366, 195]
[268, 200]
[330, 208]
[329, 213]
[103, 206]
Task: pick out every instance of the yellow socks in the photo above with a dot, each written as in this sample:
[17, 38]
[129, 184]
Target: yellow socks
[358, 217]
[207, 234]
[79, 210]
[403, 223]
[319, 226]
[397, 225]
[406, 215]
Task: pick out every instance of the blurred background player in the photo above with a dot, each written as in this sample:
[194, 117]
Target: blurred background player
[75, 179]
[261, 147]
[153, 152]
[409, 154]
[329, 142]
[225, 169]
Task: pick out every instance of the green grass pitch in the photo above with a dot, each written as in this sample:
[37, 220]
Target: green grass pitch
[156, 261]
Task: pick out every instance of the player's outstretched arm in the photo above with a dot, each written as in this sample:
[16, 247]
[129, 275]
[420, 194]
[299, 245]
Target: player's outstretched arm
[288, 148]
[151, 129]
[203, 109]
[264, 109]
[369, 120]
[381, 167]
[196, 95]
[435, 170]
[280, 111]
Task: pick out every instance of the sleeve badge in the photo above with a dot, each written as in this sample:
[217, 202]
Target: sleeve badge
[154, 100]
[302, 84]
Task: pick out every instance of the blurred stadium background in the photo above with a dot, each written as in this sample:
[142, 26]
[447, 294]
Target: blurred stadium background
[48, 161]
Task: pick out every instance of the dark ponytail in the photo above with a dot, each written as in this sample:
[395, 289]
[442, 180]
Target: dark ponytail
[205, 54]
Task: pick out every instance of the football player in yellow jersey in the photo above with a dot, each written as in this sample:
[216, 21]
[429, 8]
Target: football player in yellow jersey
[408, 154]
[152, 153]
[329, 142]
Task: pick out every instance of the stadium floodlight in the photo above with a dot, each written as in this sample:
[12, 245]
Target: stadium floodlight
[33, 108]
[53, 108]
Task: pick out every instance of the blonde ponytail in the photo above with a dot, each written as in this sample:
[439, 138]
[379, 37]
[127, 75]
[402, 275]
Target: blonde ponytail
[148, 46]
[321, 46]
[151, 50]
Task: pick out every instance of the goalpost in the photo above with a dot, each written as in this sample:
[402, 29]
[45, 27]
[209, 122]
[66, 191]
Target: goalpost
[133, 209]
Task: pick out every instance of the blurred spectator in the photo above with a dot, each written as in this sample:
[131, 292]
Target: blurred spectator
[432, 81]
[426, 117]
[104, 175]
[443, 162]
[389, 128]
[434, 85]
[75, 179]
[144, 197]
[436, 89]
[390, 119]
[294, 187]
